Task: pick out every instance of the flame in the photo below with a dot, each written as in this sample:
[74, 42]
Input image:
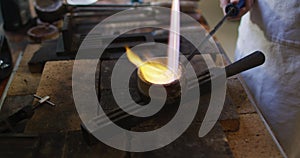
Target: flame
[133, 58]
[152, 71]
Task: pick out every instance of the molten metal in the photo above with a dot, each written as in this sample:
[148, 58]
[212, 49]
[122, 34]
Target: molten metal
[152, 71]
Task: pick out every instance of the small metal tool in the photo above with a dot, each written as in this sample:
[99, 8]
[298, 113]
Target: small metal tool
[41, 101]
[231, 10]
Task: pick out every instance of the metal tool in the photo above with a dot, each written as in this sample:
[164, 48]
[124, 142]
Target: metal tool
[42, 100]
[8, 124]
[231, 10]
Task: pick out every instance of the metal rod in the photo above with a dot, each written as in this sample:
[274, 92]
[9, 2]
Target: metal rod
[4, 94]
[211, 33]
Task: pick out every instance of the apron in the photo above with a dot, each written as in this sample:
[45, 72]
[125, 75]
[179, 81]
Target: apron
[273, 27]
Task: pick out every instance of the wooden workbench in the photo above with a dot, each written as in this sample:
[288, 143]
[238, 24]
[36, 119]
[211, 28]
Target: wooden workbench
[252, 139]
[58, 134]
[56, 82]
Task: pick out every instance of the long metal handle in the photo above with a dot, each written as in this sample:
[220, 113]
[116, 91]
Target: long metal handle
[255, 59]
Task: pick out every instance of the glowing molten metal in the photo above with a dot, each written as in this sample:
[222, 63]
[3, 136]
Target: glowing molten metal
[152, 71]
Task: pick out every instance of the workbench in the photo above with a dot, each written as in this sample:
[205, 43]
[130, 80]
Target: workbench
[56, 132]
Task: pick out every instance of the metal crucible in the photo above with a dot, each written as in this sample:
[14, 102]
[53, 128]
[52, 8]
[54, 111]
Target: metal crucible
[173, 89]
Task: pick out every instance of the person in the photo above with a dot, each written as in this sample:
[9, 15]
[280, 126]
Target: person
[274, 28]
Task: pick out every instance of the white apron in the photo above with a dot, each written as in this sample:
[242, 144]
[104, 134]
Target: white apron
[273, 27]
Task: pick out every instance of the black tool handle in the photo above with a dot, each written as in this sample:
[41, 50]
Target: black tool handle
[255, 59]
[234, 9]
[9, 123]
[25, 113]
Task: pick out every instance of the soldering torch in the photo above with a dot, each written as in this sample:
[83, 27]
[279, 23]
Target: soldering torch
[231, 10]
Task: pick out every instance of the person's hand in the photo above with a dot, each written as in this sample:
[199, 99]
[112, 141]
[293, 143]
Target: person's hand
[244, 10]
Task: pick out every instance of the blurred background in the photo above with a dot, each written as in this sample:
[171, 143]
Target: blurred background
[227, 34]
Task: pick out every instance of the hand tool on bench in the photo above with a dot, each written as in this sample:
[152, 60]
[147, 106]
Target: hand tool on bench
[8, 124]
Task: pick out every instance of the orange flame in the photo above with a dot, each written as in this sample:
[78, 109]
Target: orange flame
[133, 58]
[152, 71]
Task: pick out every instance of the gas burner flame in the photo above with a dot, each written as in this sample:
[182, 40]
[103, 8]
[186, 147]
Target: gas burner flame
[152, 71]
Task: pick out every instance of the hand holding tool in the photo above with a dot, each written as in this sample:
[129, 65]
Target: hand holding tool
[231, 10]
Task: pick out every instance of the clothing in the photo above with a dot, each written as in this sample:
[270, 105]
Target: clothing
[274, 28]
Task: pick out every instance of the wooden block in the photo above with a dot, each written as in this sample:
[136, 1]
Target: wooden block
[229, 119]
[239, 97]
[252, 139]
[25, 82]
[56, 82]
